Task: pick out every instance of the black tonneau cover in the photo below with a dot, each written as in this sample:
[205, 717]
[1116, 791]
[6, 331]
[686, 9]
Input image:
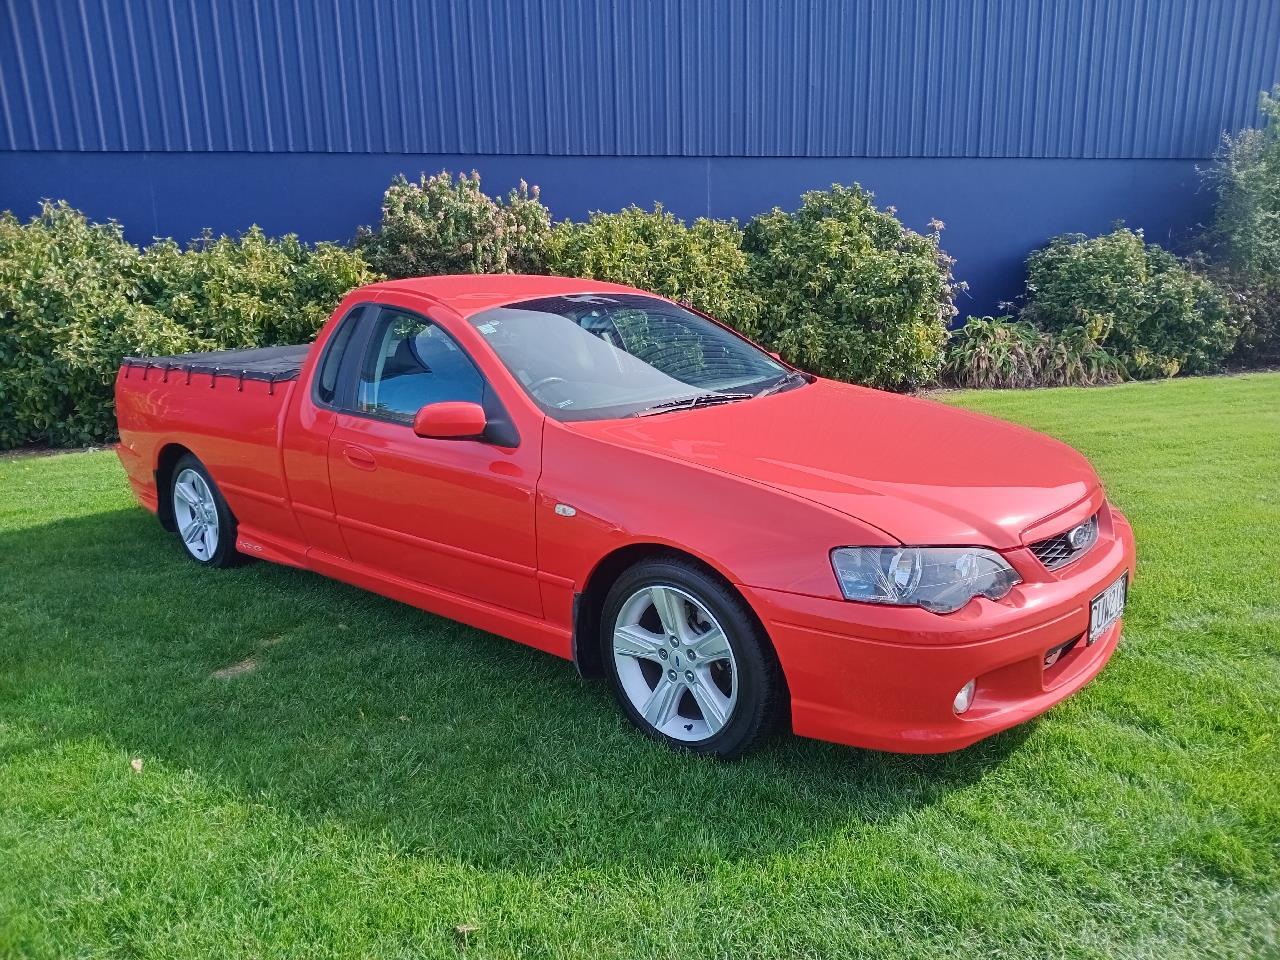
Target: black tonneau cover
[272, 364]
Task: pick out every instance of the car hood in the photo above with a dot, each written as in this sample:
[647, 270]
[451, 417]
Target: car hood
[920, 471]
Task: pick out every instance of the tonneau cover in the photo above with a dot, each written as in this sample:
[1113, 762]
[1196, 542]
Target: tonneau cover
[272, 364]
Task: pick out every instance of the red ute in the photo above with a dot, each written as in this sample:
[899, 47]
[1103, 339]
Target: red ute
[620, 481]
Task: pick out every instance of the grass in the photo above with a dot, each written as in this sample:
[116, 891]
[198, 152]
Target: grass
[327, 773]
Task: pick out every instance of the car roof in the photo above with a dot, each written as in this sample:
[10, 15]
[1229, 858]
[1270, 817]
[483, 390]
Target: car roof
[469, 293]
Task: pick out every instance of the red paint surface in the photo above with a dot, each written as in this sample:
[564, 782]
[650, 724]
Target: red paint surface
[760, 490]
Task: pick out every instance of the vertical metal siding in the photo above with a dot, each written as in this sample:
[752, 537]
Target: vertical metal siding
[825, 78]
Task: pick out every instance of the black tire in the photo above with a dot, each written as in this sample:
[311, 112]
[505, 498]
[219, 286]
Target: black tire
[760, 689]
[224, 554]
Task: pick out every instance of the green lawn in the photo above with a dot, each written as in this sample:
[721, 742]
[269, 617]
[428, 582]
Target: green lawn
[367, 778]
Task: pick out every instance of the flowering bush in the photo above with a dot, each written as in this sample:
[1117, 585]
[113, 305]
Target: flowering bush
[442, 225]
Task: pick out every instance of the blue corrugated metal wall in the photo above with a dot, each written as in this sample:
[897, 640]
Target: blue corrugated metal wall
[826, 89]
[751, 78]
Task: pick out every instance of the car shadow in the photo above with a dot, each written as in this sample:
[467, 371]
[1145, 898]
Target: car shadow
[327, 701]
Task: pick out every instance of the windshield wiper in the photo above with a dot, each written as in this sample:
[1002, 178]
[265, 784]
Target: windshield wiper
[792, 379]
[688, 403]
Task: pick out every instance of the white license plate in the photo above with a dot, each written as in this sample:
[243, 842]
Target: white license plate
[1106, 608]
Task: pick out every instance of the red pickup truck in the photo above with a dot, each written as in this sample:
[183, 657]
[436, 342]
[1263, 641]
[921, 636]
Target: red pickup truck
[619, 480]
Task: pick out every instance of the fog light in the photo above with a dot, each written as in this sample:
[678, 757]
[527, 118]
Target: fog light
[964, 699]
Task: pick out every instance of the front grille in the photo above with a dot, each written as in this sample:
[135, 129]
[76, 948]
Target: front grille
[1068, 546]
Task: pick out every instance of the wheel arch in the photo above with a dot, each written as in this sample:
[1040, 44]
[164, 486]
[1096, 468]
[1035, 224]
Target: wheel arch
[588, 604]
[166, 460]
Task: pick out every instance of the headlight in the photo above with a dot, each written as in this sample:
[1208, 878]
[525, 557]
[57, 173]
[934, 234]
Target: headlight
[940, 579]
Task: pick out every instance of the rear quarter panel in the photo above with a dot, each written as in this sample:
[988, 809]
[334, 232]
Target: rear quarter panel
[232, 426]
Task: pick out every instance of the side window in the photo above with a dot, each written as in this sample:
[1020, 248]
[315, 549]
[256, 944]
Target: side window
[411, 362]
[327, 381]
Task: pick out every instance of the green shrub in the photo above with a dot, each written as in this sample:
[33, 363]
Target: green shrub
[1256, 311]
[1136, 299]
[250, 291]
[439, 225]
[76, 297]
[69, 310]
[849, 292]
[700, 263]
[1002, 353]
[1246, 230]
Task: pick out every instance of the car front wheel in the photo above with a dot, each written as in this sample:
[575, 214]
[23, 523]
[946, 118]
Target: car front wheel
[688, 661]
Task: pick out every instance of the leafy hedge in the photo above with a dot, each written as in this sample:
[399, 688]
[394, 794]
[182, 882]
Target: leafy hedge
[839, 286]
[702, 264]
[75, 297]
[851, 293]
[70, 307]
[251, 290]
[1134, 298]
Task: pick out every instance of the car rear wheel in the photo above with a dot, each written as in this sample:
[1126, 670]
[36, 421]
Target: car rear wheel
[687, 660]
[201, 517]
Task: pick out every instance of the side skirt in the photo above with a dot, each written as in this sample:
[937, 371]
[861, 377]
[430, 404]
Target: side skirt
[474, 613]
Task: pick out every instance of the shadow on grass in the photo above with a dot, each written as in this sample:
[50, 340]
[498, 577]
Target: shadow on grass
[287, 689]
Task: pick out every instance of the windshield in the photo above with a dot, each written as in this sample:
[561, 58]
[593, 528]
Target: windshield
[594, 356]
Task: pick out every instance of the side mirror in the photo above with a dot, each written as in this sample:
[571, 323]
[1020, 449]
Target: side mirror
[450, 420]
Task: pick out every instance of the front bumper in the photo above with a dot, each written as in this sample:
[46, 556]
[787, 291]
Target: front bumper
[885, 677]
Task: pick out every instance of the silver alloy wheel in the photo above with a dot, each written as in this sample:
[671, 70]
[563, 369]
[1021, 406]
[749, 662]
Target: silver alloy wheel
[196, 514]
[674, 663]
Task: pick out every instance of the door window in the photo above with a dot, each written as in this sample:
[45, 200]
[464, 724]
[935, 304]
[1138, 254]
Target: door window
[411, 362]
[335, 352]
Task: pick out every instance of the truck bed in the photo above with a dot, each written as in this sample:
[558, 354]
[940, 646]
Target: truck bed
[271, 364]
[225, 407]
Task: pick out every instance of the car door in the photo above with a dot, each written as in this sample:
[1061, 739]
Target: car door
[307, 428]
[457, 515]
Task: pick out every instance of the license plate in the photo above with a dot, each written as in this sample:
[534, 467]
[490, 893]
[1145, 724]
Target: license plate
[1106, 608]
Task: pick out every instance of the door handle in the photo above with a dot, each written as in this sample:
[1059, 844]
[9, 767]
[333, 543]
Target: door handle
[359, 457]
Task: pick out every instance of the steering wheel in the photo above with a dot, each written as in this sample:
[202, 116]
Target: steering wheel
[545, 382]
